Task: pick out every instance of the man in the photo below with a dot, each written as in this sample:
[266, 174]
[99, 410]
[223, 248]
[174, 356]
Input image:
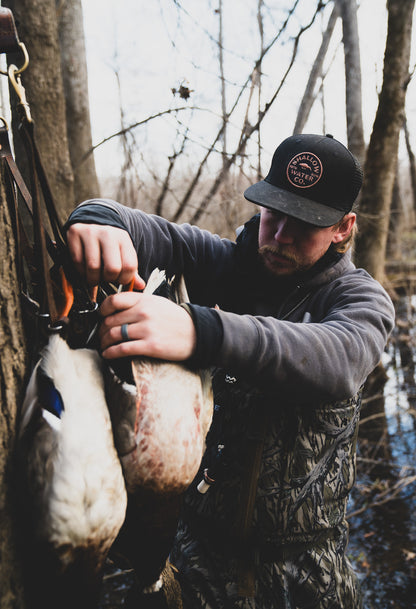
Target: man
[292, 330]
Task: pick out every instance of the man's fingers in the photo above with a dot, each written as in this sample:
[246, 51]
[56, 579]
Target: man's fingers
[117, 302]
[76, 250]
[85, 250]
[92, 261]
[123, 349]
[103, 253]
[141, 324]
[138, 282]
[119, 260]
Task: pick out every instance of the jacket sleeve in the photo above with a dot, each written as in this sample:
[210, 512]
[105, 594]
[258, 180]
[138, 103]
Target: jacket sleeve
[159, 243]
[326, 360]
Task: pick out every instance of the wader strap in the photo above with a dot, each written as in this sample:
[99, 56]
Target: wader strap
[246, 558]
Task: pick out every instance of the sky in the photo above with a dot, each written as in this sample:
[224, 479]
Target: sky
[138, 51]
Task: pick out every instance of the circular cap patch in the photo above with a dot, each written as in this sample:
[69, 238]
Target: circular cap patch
[304, 170]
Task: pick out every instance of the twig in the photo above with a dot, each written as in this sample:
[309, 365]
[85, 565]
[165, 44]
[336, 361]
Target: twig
[109, 576]
[218, 136]
[249, 132]
[383, 497]
[138, 124]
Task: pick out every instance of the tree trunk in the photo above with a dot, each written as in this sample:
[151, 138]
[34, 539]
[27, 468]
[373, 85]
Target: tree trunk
[75, 79]
[353, 95]
[258, 76]
[309, 95]
[37, 27]
[381, 161]
[412, 164]
[12, 372]
[222, 78]
[396, 223]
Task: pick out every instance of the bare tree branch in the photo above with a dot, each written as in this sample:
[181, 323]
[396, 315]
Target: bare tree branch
[222, 78]
[384, 497]
[166, 182]
[249, 79]
[253, 128]
[316, 72]
[259, 87]
[138, 124]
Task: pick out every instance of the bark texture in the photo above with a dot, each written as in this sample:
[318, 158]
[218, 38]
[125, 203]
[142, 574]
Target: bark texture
[381, 160]
[12, 372]
[412, 164]
[75, 80]
[353, 94]
[37, 26]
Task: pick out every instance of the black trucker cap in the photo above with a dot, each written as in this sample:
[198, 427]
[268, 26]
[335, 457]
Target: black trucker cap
[313, 178]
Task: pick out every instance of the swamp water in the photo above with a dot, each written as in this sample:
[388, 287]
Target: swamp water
[382, 505]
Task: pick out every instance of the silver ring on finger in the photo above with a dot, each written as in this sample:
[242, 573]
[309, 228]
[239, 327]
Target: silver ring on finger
[125, 332]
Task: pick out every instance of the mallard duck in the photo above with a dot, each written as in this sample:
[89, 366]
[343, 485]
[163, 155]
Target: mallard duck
[74, 492]
[160, 421]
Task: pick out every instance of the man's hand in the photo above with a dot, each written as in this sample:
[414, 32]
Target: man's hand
[103, 253]
[157, 327]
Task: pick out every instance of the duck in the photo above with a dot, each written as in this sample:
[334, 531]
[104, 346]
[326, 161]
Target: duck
[73, 494]
[105, 455]
[161, 412]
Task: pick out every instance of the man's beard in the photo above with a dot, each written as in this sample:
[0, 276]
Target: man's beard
[296, 265]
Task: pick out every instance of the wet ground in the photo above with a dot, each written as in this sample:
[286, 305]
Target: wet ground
[381, 510]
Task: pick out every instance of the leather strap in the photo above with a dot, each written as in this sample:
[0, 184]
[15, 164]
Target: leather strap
[26, 129]
[9, 38]
[49, 283]
[42, 242]
[253, 457]
[6, 154]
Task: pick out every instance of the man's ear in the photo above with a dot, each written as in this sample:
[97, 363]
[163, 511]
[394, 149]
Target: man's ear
[344, 227]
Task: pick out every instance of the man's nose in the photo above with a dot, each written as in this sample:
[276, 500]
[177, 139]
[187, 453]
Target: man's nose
[284, 230]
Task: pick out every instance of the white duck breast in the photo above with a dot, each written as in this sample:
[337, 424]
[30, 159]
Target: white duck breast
[74, 479]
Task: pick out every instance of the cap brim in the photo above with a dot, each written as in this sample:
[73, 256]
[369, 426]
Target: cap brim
[302, 208]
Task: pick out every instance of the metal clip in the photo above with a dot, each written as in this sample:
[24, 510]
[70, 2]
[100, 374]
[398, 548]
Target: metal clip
[25, 60]
[230, 379]
[14, 76]
[5, 124]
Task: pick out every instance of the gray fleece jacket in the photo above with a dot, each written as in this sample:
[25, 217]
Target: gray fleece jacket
[347, 316]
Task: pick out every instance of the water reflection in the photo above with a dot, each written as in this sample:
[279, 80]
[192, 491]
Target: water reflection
[381, 509]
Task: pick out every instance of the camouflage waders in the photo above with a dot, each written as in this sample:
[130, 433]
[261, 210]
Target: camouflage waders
[298, 535]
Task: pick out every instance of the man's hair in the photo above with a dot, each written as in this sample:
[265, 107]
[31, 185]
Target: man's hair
[346, 243]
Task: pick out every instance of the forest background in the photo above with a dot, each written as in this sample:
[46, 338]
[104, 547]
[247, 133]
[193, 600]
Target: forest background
[176, 106]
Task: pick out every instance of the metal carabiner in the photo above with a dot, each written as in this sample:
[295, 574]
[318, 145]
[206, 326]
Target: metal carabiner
[14, 76]
[25, 62]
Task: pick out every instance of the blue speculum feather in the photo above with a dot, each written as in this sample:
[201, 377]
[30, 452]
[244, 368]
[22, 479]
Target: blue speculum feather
[49, 397]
